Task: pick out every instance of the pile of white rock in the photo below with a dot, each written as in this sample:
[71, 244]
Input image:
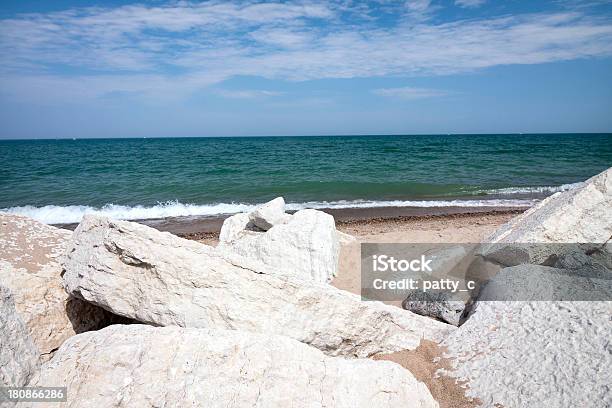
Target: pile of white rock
[569, 232]
[304, 244]
[255, 322]
[252, 322]
[540, 352]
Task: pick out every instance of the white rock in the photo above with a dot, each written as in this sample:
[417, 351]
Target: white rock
[269, 214]
[595, 264]
[158, 278]
[543, 283]
[133, 366]
[446, 263]
[306, 246]
[446, 260]
[30, 268]
[18, 354]
[440, 305]
[580, 215]
[535, 354]
[233, 226]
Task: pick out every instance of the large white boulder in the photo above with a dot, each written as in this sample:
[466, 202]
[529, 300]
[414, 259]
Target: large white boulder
[306, 246]
[269, 214]
[18, 354]
[158, 278]
[133, 366]
[534, 354]
[544, 283]
[30, 268]
[581, 215]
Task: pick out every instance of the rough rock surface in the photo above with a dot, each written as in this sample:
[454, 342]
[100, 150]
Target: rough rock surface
[135, 366]
[439, 305]
[30, 268]
[306, 246]
[233, 226]
[158, 278]
[269, 214]
[18, 354]
[535, 354]
[580, 215]
[446, 262]
[543, 283]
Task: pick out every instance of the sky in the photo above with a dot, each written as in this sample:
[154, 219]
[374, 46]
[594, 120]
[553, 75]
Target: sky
[77, 69]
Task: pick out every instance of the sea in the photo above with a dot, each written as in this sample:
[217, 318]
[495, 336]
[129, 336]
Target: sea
[57, 181]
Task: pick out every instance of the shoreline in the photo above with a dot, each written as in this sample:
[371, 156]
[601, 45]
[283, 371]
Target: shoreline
[208, 227]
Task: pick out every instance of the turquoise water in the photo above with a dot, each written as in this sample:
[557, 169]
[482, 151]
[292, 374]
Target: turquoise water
[144, 178]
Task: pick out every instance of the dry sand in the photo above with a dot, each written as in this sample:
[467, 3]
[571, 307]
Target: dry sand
[423, 363]
[457, 228]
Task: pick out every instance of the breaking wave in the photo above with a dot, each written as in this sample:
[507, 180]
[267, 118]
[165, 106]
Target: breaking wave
[53, 214]
[531, 190]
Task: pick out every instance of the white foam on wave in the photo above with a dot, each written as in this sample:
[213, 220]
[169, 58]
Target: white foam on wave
[536, 189]
[412, 203]
[53, 214]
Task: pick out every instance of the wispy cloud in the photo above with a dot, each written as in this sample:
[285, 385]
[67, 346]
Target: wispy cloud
[172, 50]
[246, 93]
[409, 92]
[470, 3]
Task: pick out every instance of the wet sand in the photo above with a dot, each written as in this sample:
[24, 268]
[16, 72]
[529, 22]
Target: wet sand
[450, 228]
[346, 218]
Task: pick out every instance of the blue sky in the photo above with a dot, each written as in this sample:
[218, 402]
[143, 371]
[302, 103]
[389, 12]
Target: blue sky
[181, 68]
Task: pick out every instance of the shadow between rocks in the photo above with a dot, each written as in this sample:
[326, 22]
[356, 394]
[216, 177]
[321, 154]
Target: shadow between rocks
[86, 317]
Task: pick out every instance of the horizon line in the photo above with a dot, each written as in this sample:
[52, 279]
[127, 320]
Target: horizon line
[306, 135]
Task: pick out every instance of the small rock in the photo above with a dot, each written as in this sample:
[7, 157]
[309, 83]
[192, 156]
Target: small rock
[233, 226]
[269, 214]
[306, 246]
[440, 305]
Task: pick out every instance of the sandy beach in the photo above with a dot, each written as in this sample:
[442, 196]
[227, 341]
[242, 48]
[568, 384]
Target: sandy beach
[382, 224]
[469, 227]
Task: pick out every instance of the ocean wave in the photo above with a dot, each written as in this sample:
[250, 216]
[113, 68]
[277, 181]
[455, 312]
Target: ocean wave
[531, 190]
[53, 214]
